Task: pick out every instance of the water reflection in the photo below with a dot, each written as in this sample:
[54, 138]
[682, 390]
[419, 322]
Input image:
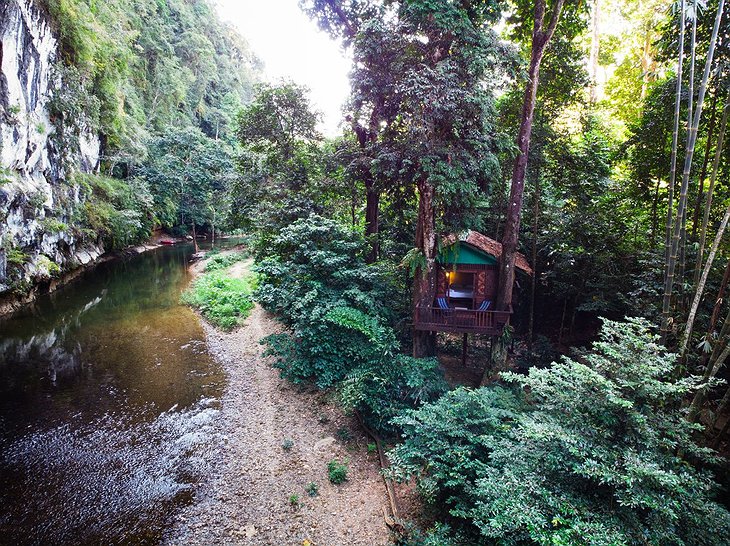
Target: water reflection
[107, 399]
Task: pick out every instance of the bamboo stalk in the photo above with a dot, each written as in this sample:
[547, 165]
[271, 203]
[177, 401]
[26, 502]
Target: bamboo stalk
[691, 140]
[701, 284]
[673, 171]
[710, 189]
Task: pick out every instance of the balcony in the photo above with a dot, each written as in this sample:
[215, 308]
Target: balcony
[458, 319]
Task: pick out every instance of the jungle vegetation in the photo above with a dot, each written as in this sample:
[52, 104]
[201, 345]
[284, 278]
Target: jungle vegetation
[590, 136]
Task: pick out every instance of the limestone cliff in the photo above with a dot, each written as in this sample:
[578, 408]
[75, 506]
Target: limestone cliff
[37, 198]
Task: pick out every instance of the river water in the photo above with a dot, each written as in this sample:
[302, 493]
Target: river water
[108, 400]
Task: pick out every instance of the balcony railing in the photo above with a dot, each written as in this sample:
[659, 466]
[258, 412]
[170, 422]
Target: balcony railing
[436, 319]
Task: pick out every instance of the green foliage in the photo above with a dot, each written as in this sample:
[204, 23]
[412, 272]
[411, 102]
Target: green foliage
[316, 280]
[281, 161]
[337, 471]
[602, 456]
[312, 489]
[189, 175]
[115, 212]
[15, 256]
[388, 387]
[53, 225]
[287, 444]
[222, 300]
[294, 500]
[51, 268]
[132, 66]
[223, 261]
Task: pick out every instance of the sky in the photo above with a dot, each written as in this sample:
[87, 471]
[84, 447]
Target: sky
[293, 48]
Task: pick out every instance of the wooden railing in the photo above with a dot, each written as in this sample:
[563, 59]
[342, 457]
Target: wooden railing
[460, 320]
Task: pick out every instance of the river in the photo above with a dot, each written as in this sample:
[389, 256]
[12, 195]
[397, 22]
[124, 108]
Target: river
[108, 400]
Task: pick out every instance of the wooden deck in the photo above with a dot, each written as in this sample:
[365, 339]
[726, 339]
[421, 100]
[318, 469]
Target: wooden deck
[435, 319]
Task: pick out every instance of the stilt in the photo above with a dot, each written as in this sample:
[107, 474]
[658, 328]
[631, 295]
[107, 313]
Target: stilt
[463, 349]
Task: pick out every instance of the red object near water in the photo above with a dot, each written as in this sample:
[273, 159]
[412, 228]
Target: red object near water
[167, 242]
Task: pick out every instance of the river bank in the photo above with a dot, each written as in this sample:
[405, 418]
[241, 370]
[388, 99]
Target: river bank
[11, 302]
[275, 442]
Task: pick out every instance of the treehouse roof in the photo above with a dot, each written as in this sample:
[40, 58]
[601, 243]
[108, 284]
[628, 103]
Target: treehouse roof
[476, 248]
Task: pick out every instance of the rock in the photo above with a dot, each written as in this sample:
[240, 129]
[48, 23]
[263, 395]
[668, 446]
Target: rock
[325, 442]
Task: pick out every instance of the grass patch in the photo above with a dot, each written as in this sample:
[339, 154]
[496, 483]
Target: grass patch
[222, 261]
[337, 471]
[223, 301]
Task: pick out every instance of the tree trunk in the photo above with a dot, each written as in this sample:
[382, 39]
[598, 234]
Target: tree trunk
[701, 283]
[533, 284]
[719, 300]
[703, 171]
[681, 208]
[372, 205]
[700, 396]
[718, 350]
[424, 283]
[540, 41]
[654, 215]
[195, 239]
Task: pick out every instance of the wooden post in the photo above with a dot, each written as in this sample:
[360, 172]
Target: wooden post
[463, 349]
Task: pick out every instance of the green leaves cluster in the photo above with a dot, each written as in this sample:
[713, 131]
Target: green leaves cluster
[113, 212]
[315, 278]
[594, 450]
[143, 66]
[223, 300]
[338, 310]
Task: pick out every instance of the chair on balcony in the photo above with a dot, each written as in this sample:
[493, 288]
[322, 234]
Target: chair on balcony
[484, 306]
[446, 311]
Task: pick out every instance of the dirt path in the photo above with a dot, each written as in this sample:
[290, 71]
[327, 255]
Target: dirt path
[249, 499]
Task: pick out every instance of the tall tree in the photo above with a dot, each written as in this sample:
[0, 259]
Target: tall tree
[543, 29]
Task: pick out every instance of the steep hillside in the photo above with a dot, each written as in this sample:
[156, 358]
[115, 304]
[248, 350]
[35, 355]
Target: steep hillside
[85, 89]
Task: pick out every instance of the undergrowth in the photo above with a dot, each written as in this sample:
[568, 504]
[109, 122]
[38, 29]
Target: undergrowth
[222, 300]
[222, 261]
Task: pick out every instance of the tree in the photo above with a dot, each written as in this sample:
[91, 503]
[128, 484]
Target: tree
[184, 171]
[280, 161]
[694, 122]
[592, 459]
[542, 32]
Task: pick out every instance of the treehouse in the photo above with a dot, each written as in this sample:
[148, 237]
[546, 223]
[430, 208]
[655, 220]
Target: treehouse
[467, 277]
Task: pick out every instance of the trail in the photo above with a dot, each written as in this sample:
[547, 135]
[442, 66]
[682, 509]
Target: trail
[247, 500]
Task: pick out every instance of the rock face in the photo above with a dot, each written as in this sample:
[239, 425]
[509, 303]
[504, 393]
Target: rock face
[36, 198]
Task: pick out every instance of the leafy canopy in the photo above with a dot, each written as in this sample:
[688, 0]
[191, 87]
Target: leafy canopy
[601, 454]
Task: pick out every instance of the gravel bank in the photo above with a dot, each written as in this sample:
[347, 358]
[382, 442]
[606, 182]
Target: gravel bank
[249, 499]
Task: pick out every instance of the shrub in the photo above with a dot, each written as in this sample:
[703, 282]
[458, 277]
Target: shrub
[601, 455]
[53, 225]
[223, 261]
[222, 300]
[337, 471]
[312, 489]
[387, 388]
[116, 212]
[335, 305]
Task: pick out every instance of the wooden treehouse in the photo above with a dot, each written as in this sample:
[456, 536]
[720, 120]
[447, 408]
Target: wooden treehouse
[467, 277]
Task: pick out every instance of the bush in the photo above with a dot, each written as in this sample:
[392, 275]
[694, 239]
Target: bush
[602, 454]
[116, 212]
[387, 388]
[337, 471]
[335, 305]
[222, 300]
[223, 261]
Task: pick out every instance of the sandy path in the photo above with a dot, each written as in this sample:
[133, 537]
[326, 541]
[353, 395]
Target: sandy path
[247, 501]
